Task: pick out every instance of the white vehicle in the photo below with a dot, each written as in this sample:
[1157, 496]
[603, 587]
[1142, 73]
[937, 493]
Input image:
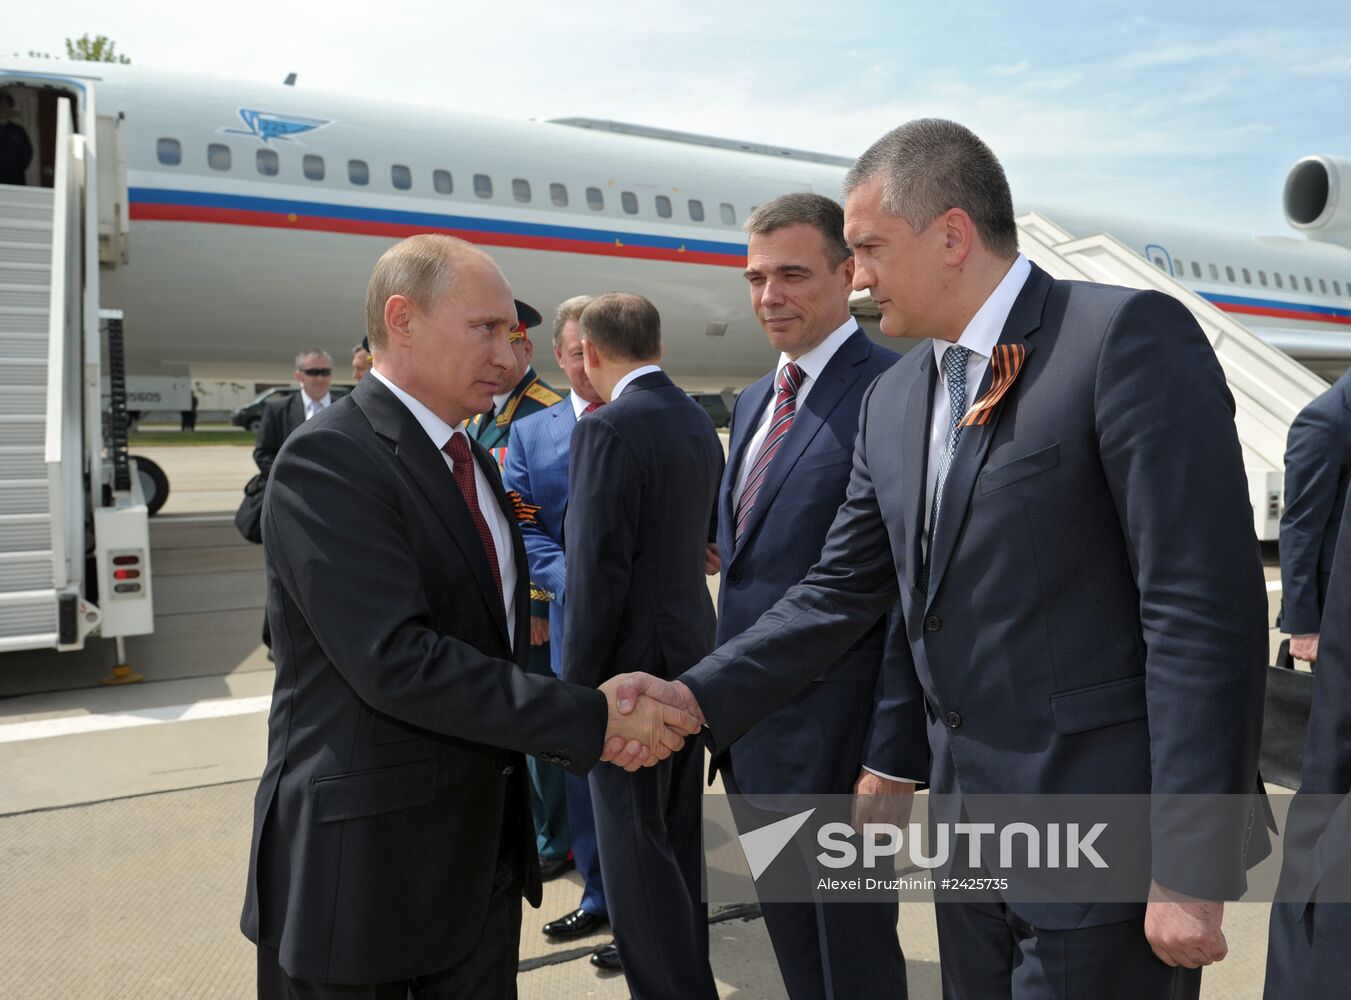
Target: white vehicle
[232, 224]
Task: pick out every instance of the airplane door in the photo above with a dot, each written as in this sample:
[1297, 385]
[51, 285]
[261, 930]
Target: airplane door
[114, 214]
[1161, 258]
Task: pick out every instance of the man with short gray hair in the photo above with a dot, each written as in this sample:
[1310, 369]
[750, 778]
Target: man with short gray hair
[281, 416]
[1054, 487]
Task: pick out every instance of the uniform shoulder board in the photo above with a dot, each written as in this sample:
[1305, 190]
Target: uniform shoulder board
[541, 393]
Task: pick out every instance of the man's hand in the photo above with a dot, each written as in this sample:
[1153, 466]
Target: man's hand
[1182, 930]
[670, 692]
[1304, 647]
[642, 730]
[881, 800]
[539, 631]
[712, 561]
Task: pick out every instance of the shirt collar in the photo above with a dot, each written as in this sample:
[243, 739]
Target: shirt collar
[982, 333]
[322, 402]
[637, 373]
[437, 429]
[500, 400]
[814, 362]
[579, 404]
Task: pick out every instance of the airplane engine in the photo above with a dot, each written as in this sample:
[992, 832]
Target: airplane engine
[1318, 198]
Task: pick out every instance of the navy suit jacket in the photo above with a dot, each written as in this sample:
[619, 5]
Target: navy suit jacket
[1095, 616]
[643, 479]
[537, 469]
[1317, 472]
[849, 715]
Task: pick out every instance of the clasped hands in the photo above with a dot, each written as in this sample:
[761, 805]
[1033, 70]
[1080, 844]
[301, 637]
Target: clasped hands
[649, 719]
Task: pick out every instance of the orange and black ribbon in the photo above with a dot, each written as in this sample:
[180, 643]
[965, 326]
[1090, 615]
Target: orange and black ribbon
[1005, 364]
[525, 512]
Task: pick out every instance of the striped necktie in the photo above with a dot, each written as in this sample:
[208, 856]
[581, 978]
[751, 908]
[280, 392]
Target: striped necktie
[785, 407]
[954, 374]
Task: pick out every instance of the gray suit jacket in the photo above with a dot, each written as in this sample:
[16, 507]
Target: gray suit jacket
[1095, 617]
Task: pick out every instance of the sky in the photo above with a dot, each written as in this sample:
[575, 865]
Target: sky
[1187, 110]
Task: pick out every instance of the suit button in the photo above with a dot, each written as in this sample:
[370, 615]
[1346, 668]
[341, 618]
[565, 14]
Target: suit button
[508, 771]
[933, 623]
[733, 577]
[564, 761]
[954, 720]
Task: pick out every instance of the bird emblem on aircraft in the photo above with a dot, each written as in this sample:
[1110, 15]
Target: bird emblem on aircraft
[268, 125]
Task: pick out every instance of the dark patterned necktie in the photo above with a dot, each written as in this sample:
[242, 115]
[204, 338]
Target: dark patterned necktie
[785, 408]
[954, 374]
[591, 408]
[458, 450]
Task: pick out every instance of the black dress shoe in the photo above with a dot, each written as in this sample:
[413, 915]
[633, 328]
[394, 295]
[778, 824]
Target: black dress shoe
[607, 957]
[578, 923]
[552, 869]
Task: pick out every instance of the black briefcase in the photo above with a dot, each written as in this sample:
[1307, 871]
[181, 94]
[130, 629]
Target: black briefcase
[249, 516]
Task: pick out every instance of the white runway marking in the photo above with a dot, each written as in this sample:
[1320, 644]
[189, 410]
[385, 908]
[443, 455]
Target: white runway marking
[215, 708]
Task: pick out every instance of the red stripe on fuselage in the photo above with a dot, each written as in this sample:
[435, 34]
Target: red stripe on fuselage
[1311, 317]
[142, 212]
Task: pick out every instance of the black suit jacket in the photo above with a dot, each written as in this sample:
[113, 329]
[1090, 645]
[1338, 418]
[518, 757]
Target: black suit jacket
[281, 417]
[1317, 474]
[400, 714]
[1095, 619]
[642, 484]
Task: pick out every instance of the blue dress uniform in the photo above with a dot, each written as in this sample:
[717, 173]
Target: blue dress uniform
[548, 794]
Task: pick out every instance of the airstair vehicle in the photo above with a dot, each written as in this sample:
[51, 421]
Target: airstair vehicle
[74, 538]
[1269, 387]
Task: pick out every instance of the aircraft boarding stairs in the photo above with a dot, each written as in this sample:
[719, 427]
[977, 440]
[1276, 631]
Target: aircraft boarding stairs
[51, 448]
[1269, 386]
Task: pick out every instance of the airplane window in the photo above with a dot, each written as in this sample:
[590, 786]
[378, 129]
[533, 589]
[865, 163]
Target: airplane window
[483, 185]
[1196, 270]
[1322, 286]
[1214, 273]
[558, 194]
[1336, 287]
[663, 206]
[1262, 278]
[442, 181]
[1294, 283]
[1179, 266]
[520, 189]
[401, 177]
[218, 156]
[696, 210]
[1228, 272]
[358, 172]
[269, 164]
[169, 151]
[629, 201]
[1247, 277]
[728, 213]
[313, 167]
[1279, 282]
[595, 199]
[1308, 285]
[1158, 262]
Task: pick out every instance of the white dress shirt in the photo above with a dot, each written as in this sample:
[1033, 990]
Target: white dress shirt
[314, 406]
[980, 336]
[579, 404]
[813, 363]
[623, 383]
[498, 526]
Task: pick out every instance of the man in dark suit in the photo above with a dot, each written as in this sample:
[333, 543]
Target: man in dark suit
[642, 482]
[16, 152]
[1054, 487]
[392, 838]
[537, 469]
[1317, 472]
[281, 417]
[792, 438]
[1307, 952]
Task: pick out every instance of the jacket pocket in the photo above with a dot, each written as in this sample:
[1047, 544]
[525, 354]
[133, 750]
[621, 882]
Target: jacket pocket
[385, 730]
[371, 793]
[1018, 469]
[1099, 705]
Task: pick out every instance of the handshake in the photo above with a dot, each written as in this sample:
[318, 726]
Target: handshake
[648, 721]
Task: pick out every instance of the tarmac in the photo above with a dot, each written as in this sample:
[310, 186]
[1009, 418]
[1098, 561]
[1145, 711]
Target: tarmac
[125, 812]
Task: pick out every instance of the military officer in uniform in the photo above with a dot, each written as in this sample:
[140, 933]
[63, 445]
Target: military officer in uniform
[520, 393]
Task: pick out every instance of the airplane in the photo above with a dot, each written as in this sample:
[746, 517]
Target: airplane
[253, 214]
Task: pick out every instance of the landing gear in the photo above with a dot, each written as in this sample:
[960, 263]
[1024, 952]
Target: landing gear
[154, 483]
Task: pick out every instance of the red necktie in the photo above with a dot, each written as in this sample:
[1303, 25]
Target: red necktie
[458, 449]
[785, 406]
[591, 408]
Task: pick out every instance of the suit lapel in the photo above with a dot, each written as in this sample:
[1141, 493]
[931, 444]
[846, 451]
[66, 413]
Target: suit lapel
[297, 414]
[522, 603]
[1024, 320]
[836, 378]
[915, 457]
